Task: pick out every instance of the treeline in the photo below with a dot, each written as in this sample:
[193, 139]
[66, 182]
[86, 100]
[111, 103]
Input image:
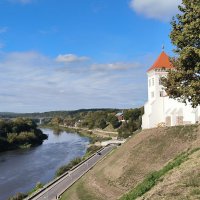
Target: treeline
[103, 118]
[52, 114]
[90, 118]
[19, 133]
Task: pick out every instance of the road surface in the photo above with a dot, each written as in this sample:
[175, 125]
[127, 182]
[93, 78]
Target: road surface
[53, 192]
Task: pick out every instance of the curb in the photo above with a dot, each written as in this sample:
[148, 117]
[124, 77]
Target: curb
[58, 179]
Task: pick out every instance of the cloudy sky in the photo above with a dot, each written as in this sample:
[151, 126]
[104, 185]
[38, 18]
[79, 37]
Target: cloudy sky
[71, 54]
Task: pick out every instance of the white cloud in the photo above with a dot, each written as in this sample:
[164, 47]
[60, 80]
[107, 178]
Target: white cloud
[69, 58]
[31, 82]
[156, 9]
[3, 29]
[115, 66]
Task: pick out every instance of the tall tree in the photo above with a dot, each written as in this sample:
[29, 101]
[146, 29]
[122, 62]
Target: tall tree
[183, 83]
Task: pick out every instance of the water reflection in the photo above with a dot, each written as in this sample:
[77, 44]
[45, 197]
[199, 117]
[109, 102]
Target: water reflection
[57, 131]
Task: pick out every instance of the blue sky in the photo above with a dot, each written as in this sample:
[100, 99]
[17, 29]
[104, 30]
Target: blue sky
[71, 54]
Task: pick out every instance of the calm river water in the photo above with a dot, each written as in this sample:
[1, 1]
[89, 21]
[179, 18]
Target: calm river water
[20, 170]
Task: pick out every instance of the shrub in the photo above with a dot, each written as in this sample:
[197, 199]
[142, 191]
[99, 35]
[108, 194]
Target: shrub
[127, 129]
[18, 196]
[67, 167]
[114, 121]
[92, 149]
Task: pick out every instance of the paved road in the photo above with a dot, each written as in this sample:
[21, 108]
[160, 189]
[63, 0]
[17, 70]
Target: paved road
[64, 183]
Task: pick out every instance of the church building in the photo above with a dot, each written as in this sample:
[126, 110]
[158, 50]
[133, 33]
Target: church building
[160, 110]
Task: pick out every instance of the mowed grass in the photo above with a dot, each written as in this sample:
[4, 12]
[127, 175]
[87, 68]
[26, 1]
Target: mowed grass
[80, 192]
[129, 165]
[152, 179]
[180, 183]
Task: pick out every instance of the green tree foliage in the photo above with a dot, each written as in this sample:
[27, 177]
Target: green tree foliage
[96, 119]
[133, 113]
[37, 187]
[52, 114]
[92, 149]
[56, 121]
[18, 196]
[114, 121]
[70, 121]
[133, 122]
[19, 132]
[67, 167]
[127, 129]
[102, 123]
[183, 83]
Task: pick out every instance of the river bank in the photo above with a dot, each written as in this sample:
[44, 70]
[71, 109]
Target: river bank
[93, 145]
[19, 133]
[45, 159]
[97, 132]
[96, 136]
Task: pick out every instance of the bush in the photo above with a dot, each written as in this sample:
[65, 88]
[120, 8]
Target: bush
[37, 187]
[127, 129]
[67, 167]
[92, 149]
[114, 121]
[102, 124]
[18, 196]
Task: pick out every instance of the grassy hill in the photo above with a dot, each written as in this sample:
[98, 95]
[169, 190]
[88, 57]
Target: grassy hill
[128, 169]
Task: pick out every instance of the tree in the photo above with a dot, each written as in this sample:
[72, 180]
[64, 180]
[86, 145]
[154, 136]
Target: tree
[56, 121]
[114, 121]
[128, 128]
[132, 114]
[183, 83]
[101, 123]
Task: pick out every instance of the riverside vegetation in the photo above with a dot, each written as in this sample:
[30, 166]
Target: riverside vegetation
[19, 133]
[104, 119]
[90, 150]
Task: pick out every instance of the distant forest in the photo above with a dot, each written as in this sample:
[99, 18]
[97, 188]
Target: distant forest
[52, 114]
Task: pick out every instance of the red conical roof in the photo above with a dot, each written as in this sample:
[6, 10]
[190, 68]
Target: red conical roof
[162, 62]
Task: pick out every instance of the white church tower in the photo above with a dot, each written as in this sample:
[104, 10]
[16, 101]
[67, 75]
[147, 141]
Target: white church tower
[160, 110]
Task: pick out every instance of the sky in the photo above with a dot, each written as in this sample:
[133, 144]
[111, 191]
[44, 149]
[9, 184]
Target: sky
[72, 54]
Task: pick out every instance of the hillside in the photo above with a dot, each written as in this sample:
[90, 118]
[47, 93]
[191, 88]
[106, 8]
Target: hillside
[146, 152]
[52, 114]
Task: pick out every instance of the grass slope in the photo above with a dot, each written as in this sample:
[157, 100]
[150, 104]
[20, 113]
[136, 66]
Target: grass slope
[129, 166]
[181, 183]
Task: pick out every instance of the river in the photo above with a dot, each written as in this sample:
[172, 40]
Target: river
[20, 170]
